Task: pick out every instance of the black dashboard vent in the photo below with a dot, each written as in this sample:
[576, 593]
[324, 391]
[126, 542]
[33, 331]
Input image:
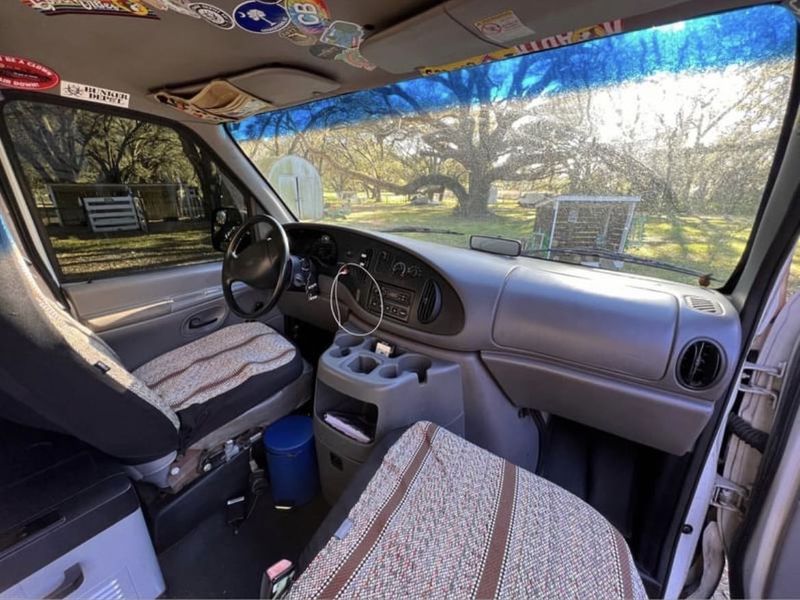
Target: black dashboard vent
[705, 305]
[699, 365]
[430, 302]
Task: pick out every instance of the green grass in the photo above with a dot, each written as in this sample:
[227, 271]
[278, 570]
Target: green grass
[709, 244]
[86, 255]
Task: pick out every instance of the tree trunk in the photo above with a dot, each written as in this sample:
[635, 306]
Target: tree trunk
[476, 201]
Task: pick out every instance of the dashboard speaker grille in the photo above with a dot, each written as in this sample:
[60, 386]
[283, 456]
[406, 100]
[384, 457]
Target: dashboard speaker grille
[430, 302]
[699, 365]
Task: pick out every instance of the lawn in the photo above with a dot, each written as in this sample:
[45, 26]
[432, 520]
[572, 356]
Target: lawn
[708, 244]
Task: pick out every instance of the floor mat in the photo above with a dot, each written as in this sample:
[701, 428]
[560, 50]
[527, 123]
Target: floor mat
[214, 562]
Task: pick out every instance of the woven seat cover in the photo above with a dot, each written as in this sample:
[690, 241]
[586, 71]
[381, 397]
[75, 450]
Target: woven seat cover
[442, 518]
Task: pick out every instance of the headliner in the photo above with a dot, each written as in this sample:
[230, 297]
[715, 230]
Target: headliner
[139, 56]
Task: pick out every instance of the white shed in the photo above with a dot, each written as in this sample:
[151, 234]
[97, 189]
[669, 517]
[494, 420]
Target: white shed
[297, 182]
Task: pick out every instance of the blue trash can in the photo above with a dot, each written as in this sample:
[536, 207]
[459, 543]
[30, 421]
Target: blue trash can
[292, 460]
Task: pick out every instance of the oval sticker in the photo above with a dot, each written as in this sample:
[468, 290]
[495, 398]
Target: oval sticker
[24, 74]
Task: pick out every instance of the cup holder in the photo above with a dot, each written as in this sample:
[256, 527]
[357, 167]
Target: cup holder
[363, 364]
[339, 352]
[389, 372]
[348, 341]
[415, 363]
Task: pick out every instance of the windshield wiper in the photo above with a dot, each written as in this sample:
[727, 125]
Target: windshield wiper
[412, 229]
[703, 279]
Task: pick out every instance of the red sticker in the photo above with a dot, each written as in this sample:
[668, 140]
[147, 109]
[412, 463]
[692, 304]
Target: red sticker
[24, 74]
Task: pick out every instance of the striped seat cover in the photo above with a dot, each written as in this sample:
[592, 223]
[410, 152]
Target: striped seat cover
[443, 518]
[216, 363]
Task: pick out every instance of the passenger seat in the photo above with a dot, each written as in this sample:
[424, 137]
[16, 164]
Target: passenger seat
[441, 517]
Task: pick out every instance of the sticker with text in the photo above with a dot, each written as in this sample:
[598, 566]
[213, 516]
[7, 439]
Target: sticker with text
[23, 74]
[177, 6]
[309, 16]
[503, 27]
[257, 16]
[92, 93]
[125, 8]
[555, 41]
[212, 14]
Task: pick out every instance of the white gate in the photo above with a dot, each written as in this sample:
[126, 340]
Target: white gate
[112, 213]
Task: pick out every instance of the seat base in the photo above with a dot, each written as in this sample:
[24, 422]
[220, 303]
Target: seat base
[162, 472]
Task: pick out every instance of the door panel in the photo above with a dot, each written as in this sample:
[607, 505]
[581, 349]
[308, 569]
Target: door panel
[145, 315]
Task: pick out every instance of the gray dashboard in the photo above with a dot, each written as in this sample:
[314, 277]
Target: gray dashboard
[638, 357]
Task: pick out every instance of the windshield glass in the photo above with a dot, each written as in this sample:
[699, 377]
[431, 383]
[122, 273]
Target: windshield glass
[652, 145]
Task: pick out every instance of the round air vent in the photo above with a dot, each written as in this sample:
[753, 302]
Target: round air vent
[700, 364]
[430, 302]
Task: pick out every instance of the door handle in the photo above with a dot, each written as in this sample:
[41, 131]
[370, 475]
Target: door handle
[198, 323]
[73, 580]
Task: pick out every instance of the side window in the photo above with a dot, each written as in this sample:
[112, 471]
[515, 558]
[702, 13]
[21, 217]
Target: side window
[117, 195]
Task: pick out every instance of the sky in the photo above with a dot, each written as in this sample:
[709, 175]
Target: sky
[692, 48]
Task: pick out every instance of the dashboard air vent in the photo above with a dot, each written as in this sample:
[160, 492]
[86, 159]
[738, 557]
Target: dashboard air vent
[705, 305]
[430, 302]
[699, 365]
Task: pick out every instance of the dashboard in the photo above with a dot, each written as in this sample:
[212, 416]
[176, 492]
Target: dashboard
[414, 293]
[620, 352]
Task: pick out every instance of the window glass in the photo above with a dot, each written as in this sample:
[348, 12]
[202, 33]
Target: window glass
[647, 151]
[117, 194]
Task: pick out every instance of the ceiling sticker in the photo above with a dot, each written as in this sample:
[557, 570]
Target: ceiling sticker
[91, 93]
[24, 74]
[212, 14]
[309, 16]
[354, 58]
[503, 27]
[343, 34]
[257, 16]
[555, 41]
[178, 6]
[325, 51]
[127, 8]
[297, 37]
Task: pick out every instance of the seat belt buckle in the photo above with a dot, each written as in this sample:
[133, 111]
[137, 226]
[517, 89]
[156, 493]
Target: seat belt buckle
[729, 495]
[278, 579]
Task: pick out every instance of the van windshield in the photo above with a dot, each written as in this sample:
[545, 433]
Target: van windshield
[655, 144]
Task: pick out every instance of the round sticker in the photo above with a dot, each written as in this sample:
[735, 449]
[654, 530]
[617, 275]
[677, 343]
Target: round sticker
[212, 14]
[257, 16]
[24, 74]
[309, 16]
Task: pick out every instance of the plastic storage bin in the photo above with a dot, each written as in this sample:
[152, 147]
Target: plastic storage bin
[292, 460]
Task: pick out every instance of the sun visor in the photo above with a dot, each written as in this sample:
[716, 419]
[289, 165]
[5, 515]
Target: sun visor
[283, 86]
[461, 33]
[429, 38]
[239, 96]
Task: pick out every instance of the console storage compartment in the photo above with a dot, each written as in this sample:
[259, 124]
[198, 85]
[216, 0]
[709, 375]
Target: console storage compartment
[375, 394]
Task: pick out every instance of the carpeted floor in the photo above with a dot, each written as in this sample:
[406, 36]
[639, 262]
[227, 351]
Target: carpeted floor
[214, 562]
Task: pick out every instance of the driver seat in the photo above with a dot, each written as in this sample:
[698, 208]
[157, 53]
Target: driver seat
[57, 374]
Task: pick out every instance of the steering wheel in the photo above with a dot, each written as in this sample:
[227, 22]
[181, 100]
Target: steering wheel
[262, 264]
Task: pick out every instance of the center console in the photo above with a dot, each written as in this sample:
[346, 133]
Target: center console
[361, 394]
